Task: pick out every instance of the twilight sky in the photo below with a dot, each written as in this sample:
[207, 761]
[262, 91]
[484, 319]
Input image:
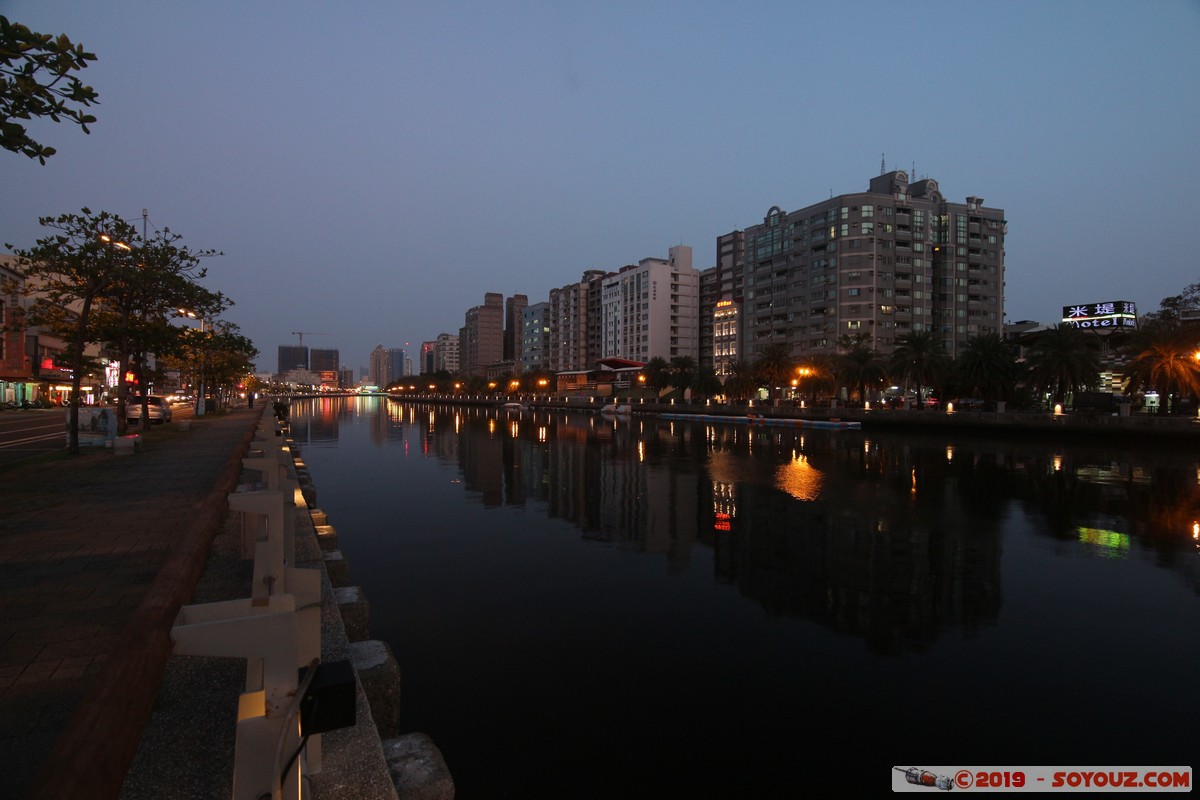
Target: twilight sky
[370, 169]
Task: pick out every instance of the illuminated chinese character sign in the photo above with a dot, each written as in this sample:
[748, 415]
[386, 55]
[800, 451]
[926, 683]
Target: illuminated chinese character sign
[1102, 316]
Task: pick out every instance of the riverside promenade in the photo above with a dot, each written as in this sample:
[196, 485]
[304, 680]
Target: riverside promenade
[90, 550]
[97, 554]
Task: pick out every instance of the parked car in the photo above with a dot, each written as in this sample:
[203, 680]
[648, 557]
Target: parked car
[159, 408]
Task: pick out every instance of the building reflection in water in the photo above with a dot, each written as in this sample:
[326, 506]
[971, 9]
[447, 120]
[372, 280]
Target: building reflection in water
[891, 538]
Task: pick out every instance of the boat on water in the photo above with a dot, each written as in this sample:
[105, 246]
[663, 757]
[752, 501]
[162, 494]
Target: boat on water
[613, 408]
[515, 407]
[778, 422]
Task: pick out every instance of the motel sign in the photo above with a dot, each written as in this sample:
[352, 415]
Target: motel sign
[1113, 314]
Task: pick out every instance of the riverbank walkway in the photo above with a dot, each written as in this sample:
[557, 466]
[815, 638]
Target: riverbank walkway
[97, 554]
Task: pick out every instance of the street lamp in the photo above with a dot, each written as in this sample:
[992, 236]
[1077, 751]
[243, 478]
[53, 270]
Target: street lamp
[117, 243]
[203, 357]
[803, 373]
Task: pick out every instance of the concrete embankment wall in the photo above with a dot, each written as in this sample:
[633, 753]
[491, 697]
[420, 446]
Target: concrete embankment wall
[1073, 423]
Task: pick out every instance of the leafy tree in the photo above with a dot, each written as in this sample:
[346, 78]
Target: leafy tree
[36, 81]
[1173, 308]
[1064, 359]
[987, 367]
[920, 357]
[132, 315]
[1164, 358]
[70, 270]
[533, 378]
[774, 367]
[219, 353]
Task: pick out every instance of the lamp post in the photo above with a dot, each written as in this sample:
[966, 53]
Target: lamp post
[199, 407]
[802, 374]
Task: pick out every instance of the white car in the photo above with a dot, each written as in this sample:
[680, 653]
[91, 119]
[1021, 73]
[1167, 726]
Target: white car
[159, 408]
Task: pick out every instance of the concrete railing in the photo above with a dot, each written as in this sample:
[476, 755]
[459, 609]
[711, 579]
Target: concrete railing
[277, 630]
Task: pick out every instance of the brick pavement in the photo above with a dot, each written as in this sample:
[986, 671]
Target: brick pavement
[81, 541]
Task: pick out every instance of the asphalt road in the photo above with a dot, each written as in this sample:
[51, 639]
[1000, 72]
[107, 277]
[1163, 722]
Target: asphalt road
[33, 432]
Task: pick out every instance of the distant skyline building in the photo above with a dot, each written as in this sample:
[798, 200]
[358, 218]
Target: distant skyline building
[395, 365]
[377, 372]
[323, 360]
[292, 357]
[428, 351]
[440, 354]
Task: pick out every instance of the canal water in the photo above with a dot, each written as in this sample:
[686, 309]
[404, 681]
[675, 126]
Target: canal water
[588, 606]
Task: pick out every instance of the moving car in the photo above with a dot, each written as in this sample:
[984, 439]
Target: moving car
[159, 408]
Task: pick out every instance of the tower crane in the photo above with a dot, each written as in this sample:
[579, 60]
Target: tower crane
[302, 334]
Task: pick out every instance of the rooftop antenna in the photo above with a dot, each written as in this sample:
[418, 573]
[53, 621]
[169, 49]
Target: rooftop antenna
[882, 164]
[913, 174]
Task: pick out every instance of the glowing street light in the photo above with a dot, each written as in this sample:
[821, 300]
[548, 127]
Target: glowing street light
[117, 243]
[200, 403]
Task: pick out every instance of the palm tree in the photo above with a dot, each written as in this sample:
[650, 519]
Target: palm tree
[1064, 359]
[706, 383]
[683, 372]
[774, 367]
[1166, 359]
[986, 366]
[741, 382]
[821, 375]
[921, 358]
[861, 366]
[658, 374]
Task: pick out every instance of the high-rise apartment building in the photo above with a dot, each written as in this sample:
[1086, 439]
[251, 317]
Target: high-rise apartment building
[721, 288]
[878, 264]
[651, 309]
[535, 337]
[575, 323]
[481, 339]
[513, 309]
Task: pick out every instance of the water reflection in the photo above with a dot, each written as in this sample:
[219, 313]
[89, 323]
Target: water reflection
[892, 539]
[610, 603]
